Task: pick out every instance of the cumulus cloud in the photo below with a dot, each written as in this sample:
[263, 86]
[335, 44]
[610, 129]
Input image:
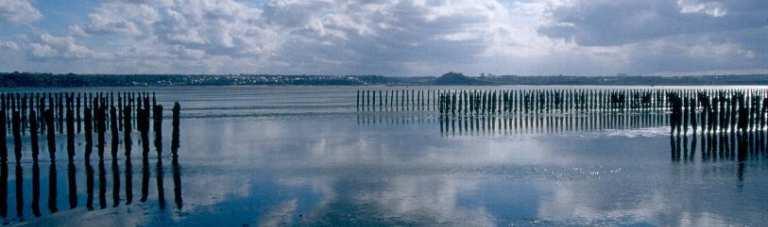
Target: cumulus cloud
[47, 46]
[18, 11]
[186, 29]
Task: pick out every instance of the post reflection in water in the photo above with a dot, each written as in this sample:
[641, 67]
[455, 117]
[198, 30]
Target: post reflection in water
[728, 146]
[740, 148]
[102, 185]
[35, 189]
[19, 191]
[144, 178]
[99, 117]
[52, 193]
[72, 182]
[89, 184]
[4, 189]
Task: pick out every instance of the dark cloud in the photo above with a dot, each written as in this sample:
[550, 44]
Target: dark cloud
[669, 36]
[610, 22]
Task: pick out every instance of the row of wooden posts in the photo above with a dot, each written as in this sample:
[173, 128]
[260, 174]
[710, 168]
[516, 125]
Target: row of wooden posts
[530, 110]
[61, 107]
[717, 110]
[731, 124]
[721, 111]
[549, 101]
[396, 100]
[504, 101]
[49, 114]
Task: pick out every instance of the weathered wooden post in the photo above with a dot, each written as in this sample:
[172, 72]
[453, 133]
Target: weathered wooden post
[175, 124]
[16, 130]
[70, 134]
[158, 129]
[357, 101]
[128, 142]
[119, 111]
[177, 183]
[100, 127]
[102, 183]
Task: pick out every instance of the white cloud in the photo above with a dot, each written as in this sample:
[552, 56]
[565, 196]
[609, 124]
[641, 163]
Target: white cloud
[711, 8]
[10, 45]
[120, 18]
[19, 11]
[47, 46]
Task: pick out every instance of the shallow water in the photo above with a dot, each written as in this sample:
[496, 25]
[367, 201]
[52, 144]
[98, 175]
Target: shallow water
[302, 156]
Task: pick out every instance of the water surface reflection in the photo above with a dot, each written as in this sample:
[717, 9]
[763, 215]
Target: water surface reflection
[259, 165]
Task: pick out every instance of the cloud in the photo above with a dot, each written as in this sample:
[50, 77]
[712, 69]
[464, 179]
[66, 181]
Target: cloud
[606, 22]
[667, 36]
[47, 47]
[386, 36]
[711, 8]
[18, 11]
[300, 36]
[682, 54]
[9, 45]
[409, 37]
[185, 28]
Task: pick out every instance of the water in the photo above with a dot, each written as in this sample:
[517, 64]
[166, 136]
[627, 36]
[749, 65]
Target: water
[302, 156]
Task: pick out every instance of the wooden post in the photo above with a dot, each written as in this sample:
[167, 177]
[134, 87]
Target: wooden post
[16, 130]
[128, 142]
[70, 134]
[51, 134]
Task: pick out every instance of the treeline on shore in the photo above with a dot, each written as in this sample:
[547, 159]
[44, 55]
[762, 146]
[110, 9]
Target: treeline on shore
[24, 79]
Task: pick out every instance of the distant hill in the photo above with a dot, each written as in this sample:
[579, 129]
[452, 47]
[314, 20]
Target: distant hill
[453, 78]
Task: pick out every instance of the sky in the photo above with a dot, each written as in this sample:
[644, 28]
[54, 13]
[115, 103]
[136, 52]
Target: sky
[385, 37]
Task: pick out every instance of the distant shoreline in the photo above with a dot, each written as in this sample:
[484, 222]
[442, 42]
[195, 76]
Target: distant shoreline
[18, 80]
